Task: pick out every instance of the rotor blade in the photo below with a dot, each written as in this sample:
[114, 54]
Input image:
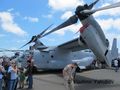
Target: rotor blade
[73, 19]
[8, 50]
[39, 35]
[107, 7]
[36, 37]
[25, 44]
[28, 42]
[92, 4]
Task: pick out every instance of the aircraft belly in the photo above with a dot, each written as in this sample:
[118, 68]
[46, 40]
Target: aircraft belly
[94, 42]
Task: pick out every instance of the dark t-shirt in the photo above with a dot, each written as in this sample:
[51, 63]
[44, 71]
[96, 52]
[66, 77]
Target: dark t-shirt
[29, 70]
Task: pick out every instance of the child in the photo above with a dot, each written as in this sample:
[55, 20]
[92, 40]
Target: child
[21, 78]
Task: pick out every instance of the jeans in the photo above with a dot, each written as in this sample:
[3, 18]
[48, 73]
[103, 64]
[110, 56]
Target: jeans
[11, 85]
[0, 84]
[15, 84]
[116, 68]
[30, 81]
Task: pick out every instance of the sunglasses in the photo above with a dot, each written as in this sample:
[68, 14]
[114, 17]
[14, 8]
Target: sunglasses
[12, 63]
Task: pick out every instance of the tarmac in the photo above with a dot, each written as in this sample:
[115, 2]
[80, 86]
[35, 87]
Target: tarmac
[100, 79]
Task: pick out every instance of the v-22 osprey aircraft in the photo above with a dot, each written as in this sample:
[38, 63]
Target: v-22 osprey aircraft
[92, 37]
[57, 57]
[52, 58]
[91, 34]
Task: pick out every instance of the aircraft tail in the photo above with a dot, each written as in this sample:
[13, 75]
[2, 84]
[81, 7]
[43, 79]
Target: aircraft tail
[114, 49]
[113, 53]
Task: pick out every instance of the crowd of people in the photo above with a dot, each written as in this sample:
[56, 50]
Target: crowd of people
[13, 76]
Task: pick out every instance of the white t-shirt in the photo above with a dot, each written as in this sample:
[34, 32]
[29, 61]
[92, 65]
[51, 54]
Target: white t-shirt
[13, 74]
[116, 62]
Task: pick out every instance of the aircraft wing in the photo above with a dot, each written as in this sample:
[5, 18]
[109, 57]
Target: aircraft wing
[73, 45]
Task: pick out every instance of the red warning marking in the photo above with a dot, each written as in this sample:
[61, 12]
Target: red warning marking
[83, 28]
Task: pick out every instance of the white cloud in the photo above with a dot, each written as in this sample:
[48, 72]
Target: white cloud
[105, 24]
[47, 16]
[49, 39]
[108, 24]
[60, 32]
[75, 27]
[111, 25]
[116, 1]
[64, 5]
[11, 9]
[72, 28]
[8, 24]
[31, 19]
[66, 15]
[109, 12]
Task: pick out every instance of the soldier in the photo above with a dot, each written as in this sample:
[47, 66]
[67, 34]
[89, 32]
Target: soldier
[68, 74]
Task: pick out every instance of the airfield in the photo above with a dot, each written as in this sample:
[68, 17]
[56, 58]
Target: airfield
[100, 79]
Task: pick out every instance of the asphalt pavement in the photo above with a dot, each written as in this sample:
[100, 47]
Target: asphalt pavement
[101, 79]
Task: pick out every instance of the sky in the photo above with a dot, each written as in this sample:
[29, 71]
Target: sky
[22, 19]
